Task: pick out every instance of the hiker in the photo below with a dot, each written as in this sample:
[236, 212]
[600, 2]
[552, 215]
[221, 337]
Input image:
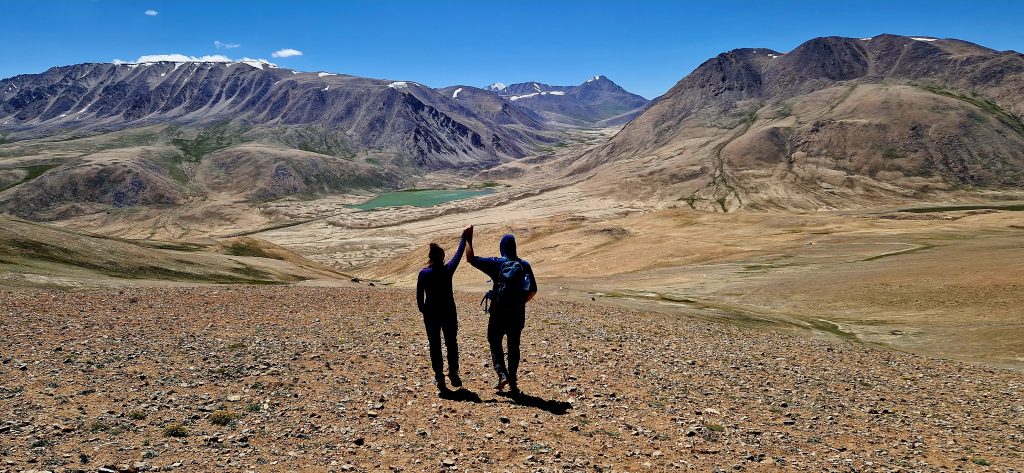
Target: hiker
[436, 303]
[513, 286]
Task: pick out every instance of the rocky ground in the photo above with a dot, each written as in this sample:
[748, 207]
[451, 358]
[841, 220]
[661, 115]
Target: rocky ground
[265, 378]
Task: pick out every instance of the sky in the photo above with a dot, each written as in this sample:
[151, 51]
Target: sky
[644, 46]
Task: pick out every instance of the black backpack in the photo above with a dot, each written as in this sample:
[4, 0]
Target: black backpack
[512, 285]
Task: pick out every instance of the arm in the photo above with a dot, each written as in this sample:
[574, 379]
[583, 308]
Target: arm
[420, 292]
[533, 283]
[488, 266]
[453, 264]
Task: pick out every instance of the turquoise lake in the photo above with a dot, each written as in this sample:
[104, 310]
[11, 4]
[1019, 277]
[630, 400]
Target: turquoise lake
[419, 198]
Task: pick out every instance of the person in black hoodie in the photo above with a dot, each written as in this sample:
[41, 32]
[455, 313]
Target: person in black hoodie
[436, 303]
[513, 286]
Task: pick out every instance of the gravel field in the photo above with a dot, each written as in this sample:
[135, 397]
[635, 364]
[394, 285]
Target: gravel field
[274, 378]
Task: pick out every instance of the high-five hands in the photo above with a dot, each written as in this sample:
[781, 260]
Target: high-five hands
[468, 233]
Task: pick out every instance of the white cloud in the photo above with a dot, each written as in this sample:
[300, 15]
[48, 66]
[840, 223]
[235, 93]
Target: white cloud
[287, 52]
[222, 45]
[152, 12]
[183, 58]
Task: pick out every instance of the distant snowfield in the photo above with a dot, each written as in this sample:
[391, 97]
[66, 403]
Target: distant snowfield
[181, 58]
[924, 39]
[455, 94]
[398, 85]
[553, 92]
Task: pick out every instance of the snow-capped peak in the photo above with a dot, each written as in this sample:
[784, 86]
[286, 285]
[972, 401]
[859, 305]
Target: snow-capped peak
[151, 59]
[495, 87]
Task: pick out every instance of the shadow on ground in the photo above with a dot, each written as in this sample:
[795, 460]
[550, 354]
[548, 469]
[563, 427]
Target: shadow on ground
[521, 399]
[550, 405]
[462, 395]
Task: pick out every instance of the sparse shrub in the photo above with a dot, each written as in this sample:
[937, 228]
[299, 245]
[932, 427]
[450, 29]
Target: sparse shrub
[222, 418]
[610, 433]
[136, 414]
[175, 430]
[253, 408]
[714, 427]
[98, 426]
[980, 461]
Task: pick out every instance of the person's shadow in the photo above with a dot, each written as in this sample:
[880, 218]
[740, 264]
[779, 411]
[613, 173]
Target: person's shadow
[555, 407]
[461, 395]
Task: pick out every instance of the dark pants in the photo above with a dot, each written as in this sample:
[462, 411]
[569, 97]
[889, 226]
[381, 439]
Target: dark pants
[436, 323]
[506, 322]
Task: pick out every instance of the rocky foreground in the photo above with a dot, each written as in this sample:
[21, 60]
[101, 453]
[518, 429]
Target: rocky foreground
[318, 379]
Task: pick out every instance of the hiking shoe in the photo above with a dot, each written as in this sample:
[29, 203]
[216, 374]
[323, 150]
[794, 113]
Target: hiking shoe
[456, 380]
[439, 380]
[502, 381]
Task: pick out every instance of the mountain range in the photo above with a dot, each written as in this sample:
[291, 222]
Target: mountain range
[367, 114]
[596, 102]
[834, 123]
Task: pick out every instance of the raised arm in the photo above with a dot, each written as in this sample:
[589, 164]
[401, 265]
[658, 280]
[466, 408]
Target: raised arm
[467, 235]
[453, 264]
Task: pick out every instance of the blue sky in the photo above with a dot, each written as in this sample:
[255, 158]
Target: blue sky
[645, 46]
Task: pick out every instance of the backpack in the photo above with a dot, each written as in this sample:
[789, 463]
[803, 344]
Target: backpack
[511, 286]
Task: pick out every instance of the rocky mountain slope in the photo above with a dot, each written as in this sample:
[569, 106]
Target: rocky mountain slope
[338, 379]
[596, 102]
[153, 137]
[494, 108]
[397, 116]
[836, 122]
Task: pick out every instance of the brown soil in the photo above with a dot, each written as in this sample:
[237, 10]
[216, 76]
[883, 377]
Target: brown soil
[319, 379]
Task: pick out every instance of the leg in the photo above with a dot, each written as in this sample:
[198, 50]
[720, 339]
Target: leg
[433, 326]
[516, 322]
[495, 332]
[450, 327]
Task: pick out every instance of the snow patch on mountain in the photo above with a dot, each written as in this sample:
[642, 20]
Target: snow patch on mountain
[151, 59]
[553, 92]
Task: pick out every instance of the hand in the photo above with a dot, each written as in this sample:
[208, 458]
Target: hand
[468, 233]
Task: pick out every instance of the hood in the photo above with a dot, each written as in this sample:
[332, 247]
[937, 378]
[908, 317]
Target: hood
[508, 246]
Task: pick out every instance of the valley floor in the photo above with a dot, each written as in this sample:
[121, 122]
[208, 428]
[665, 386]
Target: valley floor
[948, 282]
[337, 379]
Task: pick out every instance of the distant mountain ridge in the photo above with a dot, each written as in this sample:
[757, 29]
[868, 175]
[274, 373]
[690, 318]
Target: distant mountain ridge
[834, 123]
[596, 102]
[160, 136]
[402, 117]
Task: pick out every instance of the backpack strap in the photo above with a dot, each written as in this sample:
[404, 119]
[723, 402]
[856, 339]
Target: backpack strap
[486, 301]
